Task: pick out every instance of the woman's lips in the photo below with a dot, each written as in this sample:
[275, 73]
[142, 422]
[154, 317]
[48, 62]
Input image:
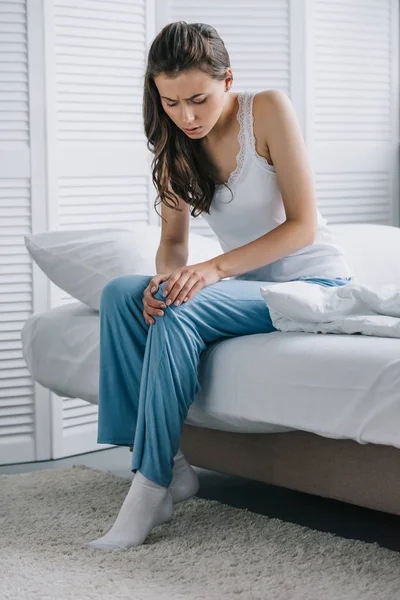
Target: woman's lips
[193, 130]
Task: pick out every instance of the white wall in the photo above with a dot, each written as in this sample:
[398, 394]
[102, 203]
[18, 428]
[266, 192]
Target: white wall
[73, 154]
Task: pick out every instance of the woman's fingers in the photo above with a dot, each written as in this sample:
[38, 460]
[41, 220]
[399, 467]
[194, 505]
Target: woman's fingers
[148, 320]
[152, 307]
[149, 300]
[153, 310]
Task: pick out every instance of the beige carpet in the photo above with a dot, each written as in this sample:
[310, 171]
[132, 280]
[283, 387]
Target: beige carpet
[208, 551]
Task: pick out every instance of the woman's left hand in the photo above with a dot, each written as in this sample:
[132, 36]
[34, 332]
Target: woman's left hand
[186, 281]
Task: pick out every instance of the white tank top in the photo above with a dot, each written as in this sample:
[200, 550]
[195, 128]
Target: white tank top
[257, 207]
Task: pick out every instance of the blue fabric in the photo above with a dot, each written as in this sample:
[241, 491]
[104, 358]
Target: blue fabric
[148, 374]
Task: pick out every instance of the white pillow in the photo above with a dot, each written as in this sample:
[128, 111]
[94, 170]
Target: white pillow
[371, 250]
[82, 262]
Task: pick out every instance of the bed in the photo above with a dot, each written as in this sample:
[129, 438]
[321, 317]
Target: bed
[311, 412]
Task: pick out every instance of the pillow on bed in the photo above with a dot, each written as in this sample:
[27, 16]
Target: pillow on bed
[371, 251]
[82, 262]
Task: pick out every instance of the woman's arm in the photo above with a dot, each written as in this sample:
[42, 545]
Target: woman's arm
[281, 133]
[171, 256]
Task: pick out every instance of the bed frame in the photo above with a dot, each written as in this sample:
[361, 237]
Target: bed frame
[362, 474]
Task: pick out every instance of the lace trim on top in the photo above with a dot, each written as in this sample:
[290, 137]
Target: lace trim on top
[246, 126]
[241, 137]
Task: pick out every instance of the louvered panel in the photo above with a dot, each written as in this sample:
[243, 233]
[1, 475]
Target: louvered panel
[14, 107]
[17, 409]
[95, 202]
[100, 57]
[19, 396]
[79, 426]
[256, 37]
[354, 197]
[352, 78]
[78, 413]
[17, 415]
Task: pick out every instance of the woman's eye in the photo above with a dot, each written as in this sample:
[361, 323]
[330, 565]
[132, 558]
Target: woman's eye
[202, 102]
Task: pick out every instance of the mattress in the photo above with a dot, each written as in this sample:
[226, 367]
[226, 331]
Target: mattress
[334, 385]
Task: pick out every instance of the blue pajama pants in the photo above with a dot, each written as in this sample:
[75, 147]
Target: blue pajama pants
[148, 374]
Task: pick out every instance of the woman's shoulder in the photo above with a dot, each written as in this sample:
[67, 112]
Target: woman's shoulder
[271, 96]
[263, 111]
[268, 102]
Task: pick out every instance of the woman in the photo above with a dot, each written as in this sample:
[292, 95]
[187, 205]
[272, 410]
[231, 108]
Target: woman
[246, 169]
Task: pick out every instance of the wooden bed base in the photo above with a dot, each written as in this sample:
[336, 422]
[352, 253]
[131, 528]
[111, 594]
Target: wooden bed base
[363, 474]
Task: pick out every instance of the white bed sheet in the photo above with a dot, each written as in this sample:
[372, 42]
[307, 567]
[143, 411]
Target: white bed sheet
[337, 386]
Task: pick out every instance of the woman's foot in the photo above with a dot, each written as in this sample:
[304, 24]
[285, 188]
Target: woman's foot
[146, 505]
[185, 481]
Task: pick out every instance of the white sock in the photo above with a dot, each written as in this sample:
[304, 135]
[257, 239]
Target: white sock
[185, 481]
[146, 505]
[179, 454]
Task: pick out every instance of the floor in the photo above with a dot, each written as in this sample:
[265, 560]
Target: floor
[311, 511]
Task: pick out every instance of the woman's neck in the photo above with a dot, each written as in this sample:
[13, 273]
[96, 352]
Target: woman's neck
[227, 117]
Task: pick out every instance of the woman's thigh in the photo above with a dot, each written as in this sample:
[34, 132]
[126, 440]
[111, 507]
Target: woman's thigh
[231, 307]
[225, 309]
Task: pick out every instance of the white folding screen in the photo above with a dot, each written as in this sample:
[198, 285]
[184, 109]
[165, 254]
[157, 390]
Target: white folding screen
[73, 153]
[98, 171]
[353, 109]
[24, 406]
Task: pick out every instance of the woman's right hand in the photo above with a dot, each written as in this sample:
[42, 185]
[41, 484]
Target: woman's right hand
[151, 305]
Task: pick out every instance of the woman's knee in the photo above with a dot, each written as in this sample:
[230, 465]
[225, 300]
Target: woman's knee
[124, 286]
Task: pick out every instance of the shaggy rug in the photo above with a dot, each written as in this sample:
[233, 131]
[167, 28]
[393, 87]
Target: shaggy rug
[208, 550]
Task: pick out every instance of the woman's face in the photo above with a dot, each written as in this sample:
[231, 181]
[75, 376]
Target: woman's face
[192, 99]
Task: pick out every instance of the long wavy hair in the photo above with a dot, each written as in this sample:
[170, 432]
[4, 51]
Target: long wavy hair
[180, 163]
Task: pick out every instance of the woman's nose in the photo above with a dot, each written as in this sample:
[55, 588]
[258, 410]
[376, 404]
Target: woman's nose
[187, 118]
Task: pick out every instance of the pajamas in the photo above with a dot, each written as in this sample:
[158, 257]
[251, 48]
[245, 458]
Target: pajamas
[148, 374]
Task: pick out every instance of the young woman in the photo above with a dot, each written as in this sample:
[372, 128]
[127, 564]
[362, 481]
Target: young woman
[245, 168]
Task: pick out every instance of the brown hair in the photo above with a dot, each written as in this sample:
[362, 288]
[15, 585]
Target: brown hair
[180, 163]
